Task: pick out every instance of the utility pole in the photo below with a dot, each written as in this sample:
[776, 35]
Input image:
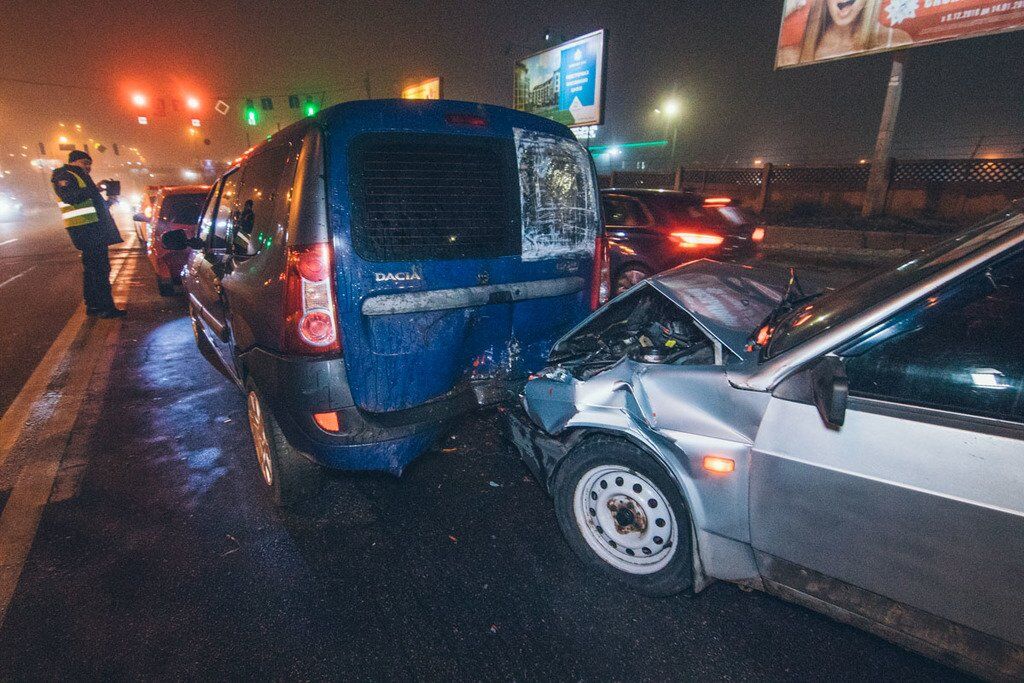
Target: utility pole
[878, 181]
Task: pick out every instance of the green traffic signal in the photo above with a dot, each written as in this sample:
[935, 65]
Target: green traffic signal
[311, 109]
[251, 116]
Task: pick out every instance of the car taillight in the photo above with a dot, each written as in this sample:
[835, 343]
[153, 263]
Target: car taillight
[757, 235]
[696, 240]
[601, 284]
[310, 316]
[717, 201]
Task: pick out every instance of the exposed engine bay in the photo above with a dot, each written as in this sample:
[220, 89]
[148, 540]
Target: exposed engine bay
[644, 326]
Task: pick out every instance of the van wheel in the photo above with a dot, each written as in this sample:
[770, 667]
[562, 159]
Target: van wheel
[623, 515]
[165, 287]
[287, 473]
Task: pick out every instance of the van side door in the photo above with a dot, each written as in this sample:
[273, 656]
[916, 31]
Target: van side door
[919, 496]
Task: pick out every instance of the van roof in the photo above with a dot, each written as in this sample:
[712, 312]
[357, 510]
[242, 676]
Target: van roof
[411, 115]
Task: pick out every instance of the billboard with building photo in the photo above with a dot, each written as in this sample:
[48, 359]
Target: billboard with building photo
[564, 83]
[821, 30]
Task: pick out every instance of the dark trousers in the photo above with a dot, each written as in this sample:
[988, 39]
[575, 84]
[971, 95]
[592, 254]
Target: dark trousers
[96, 279]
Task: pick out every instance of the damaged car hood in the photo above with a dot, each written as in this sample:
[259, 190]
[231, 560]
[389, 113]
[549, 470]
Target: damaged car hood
[729, 300]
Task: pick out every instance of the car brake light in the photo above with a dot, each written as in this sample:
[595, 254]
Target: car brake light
[695, 240]
[601, 284]
[310, 316]
[465, 120]
[717, 201]
[757, 235]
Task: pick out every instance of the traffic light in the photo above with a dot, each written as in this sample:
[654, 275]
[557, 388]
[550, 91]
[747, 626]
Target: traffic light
[293, 101]
[267, 103]
[311, 108]
[252, 117]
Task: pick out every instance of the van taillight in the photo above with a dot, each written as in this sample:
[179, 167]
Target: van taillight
[601, 284]
[310, 315]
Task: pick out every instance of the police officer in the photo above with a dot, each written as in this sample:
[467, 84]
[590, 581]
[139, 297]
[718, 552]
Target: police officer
[92, 230]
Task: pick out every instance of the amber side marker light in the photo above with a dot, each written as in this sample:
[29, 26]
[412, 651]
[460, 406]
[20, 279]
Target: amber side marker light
[327, 421]
[757, 235]
[718, 464]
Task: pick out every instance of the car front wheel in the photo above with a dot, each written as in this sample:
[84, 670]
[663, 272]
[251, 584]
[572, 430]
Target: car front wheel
[623, 515]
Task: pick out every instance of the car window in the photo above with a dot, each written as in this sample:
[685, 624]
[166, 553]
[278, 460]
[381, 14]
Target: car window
[206, 218]
[181, 208]
[261, 194]
[226, 212]
[622, 212]
[959, 350]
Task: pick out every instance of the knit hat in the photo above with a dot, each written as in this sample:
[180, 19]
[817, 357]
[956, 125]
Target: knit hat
[76, 155]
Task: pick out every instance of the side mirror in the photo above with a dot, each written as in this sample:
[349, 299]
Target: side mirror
[830, 389]
[176, 240]
[140, 218]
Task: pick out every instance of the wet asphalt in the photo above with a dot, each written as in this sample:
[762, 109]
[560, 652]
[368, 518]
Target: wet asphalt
[159, 556]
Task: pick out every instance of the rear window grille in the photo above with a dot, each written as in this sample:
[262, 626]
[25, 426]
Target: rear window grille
[421, 196]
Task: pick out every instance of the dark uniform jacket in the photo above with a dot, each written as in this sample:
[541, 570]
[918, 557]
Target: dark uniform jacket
[94, 235]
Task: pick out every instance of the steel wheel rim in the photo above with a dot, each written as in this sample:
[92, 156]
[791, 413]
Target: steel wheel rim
[259, 438]
[628, 279]
[633, 530]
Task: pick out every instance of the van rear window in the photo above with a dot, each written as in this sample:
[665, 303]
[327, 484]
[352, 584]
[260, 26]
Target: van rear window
[418, 196]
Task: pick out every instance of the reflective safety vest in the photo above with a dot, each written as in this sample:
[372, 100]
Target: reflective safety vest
[82, 213]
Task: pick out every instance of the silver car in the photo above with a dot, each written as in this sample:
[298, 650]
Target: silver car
[859, 451]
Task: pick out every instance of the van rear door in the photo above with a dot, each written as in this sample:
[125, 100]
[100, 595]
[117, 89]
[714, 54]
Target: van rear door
[469, 255]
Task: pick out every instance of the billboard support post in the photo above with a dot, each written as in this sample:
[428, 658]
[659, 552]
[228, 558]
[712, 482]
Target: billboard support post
[878, 181]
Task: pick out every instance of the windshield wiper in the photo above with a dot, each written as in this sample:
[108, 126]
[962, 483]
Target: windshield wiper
[794, 296]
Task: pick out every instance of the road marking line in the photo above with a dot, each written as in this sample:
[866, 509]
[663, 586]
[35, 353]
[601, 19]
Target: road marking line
[53, 415]
[12, 279]
[13, 239]
[13, 420]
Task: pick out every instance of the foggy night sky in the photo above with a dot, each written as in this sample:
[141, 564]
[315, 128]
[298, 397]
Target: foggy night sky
[716, 54]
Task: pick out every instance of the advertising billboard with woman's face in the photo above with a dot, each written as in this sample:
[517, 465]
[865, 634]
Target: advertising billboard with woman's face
[820, 30]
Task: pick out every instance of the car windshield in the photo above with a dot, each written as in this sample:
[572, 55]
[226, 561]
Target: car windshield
[182, 208]
[842, 305]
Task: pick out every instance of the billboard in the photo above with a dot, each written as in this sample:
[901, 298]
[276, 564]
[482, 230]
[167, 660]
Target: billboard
[429, 89]
[821, 30]
[564, 83]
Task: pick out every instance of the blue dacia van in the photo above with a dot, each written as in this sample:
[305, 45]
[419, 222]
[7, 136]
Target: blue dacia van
[371, 273]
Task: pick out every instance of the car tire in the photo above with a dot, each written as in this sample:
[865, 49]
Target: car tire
[165, 287]
[287, 473]
[628, 277]
[608, 482]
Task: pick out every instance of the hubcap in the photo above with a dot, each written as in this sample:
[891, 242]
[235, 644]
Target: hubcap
[627, 279]
[259, 438]
[625, 519]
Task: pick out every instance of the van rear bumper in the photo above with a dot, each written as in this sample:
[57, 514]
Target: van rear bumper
[297, 388]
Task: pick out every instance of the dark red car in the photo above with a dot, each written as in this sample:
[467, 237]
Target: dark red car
[174, 208]
[653, 230]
